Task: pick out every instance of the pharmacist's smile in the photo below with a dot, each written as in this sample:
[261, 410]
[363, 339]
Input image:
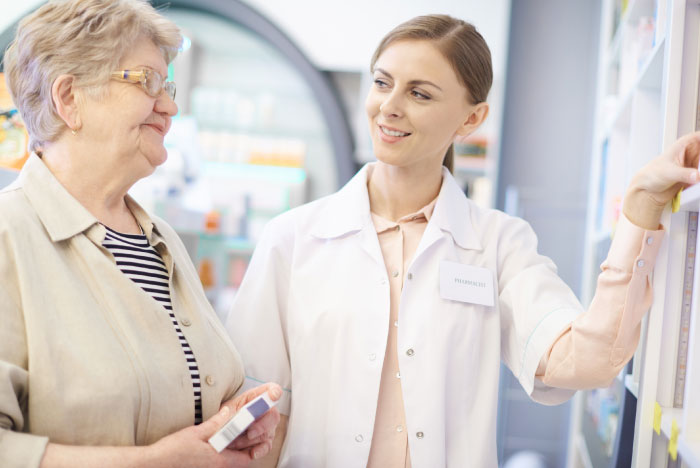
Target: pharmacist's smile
[391, 135]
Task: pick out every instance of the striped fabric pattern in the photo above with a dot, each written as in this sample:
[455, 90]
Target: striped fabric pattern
[143, 265]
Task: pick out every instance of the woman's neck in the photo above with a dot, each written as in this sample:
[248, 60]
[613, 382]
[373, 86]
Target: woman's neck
[395, 191]
[97, 187]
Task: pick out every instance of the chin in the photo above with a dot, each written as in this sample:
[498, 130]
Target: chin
[156, 157]
[390, 157]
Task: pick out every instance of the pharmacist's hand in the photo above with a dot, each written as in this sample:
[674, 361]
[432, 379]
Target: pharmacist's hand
[189, 447]
[655, 184]
[258, 438]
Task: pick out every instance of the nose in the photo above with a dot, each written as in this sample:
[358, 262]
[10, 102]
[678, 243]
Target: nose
[165, 105]
[392, 106]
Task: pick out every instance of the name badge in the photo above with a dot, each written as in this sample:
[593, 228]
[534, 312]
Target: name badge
[466, 283]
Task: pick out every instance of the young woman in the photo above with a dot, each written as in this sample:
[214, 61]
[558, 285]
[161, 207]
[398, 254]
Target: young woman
[387, 307]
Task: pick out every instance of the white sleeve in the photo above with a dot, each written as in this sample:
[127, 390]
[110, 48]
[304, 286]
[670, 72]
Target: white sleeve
[536, 306]
[257, 321]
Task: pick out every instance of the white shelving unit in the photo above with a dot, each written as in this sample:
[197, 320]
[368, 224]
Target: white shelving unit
[647, 98]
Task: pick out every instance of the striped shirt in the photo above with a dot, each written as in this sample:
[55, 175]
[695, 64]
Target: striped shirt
[142, 264]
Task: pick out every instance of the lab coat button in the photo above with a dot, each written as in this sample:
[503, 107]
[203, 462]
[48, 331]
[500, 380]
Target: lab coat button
[410, 276]
[359, 438]
[372, 356]
[640, 263]
[186, 322]
[419, 435]
[410, 352]
[209, 380]
[398, 375]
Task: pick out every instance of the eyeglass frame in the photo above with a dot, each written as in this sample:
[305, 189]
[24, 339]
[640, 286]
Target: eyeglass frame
[141, 77]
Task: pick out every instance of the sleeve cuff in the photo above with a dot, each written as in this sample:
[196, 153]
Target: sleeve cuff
[632, 244]
[20, 450]
[540, 340]
[285, 400]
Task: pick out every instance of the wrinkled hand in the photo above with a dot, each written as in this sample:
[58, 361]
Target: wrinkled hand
[655, 184]
[257, 441]
[189, 447]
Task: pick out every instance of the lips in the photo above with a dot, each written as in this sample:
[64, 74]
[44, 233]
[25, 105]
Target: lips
[393, 132]
[161, 128]
[391, 135]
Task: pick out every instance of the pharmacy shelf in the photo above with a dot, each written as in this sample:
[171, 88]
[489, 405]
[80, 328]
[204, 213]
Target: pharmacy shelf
[648, 77]
[471, 165]
[230, 244]
[689, 452]
[668, 415]
[640, 112]
[631, 385]
[690, 198]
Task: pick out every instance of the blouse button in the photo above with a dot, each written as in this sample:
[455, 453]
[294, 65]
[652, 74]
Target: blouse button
[209, 380]
[395, 274]
[640, 263]
[186, 322]
[650, 240]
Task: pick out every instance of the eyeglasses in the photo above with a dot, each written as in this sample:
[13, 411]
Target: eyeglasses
[151, 81]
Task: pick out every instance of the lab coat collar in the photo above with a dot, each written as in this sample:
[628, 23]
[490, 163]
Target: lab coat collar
[61, 214]
[348, 211]
[453, 213]
[345, 211]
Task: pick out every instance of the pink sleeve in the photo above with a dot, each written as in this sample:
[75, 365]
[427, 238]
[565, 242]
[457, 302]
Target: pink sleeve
[598, 343]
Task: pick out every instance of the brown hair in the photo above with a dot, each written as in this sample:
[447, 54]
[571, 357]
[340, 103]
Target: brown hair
[83, 38]
[463, 47]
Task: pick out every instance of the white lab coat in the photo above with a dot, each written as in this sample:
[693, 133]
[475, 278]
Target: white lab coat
[313, 313]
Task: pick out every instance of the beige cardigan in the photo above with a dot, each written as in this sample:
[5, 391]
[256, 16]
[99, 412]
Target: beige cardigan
[86, 356]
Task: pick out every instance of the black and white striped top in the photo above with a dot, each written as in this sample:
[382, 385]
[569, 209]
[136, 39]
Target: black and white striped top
[142, 264]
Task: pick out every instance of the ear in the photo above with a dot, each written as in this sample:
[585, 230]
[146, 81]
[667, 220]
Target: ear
[477, 115]
[65, 100]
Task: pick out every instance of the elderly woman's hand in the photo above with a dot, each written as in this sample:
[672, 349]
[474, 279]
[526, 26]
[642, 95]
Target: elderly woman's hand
[190, 447]
[655, 184]
[258, 438]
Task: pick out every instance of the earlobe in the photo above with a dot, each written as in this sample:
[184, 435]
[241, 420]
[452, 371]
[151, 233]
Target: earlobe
[65, 101]
[476, 117]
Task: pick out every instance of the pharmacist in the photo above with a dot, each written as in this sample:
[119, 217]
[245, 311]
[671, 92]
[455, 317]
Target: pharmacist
[385, 309]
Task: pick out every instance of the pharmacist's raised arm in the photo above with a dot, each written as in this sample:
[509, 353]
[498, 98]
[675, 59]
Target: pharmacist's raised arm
[603, 339]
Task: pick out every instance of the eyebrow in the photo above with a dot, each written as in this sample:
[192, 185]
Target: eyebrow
[412, 82]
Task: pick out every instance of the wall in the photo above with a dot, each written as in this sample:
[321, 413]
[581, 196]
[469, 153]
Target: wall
[13, 10]
[347, 41]
[545, 158]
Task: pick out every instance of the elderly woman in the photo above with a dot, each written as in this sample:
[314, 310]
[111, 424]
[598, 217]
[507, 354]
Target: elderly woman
[110, 354]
